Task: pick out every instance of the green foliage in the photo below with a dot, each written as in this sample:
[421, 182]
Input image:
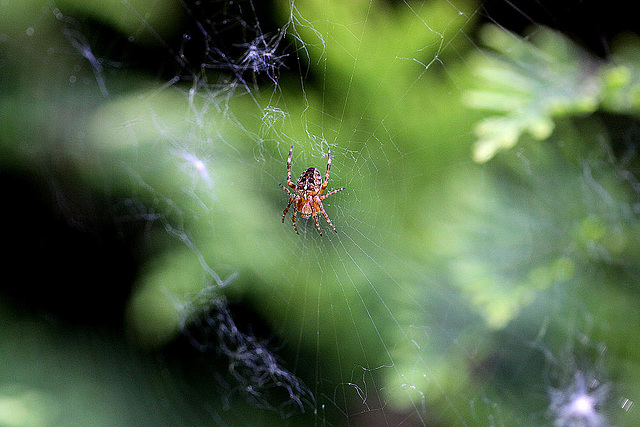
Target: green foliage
[621, 77]
[533, 82]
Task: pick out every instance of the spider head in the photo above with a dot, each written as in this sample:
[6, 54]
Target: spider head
[307, 209]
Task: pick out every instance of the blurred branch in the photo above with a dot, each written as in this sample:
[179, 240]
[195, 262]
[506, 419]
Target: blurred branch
[530, 82]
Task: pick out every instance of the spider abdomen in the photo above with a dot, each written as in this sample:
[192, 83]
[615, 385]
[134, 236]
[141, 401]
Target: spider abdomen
[310, 180]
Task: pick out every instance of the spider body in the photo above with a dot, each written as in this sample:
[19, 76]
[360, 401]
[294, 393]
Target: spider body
[307, 198]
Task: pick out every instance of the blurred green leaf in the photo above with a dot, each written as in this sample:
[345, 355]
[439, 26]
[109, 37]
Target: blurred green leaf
[531, 82]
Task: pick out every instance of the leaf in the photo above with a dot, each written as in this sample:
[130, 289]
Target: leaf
[529, 84]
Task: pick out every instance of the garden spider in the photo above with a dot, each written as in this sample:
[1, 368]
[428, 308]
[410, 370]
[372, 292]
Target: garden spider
[307, 199]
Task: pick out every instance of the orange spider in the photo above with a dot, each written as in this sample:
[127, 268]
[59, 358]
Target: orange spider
[307, 199]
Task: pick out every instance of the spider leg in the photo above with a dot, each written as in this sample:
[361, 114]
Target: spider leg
[321, 208]
[286, 190]
[315, 218]
[294, 221]
[331, 192]
[326, 177]
[291, 184]
[287, 208]
[291, 198]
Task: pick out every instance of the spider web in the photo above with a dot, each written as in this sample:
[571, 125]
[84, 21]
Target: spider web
[446, 297]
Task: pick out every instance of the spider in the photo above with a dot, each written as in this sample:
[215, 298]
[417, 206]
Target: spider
[307, 199]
